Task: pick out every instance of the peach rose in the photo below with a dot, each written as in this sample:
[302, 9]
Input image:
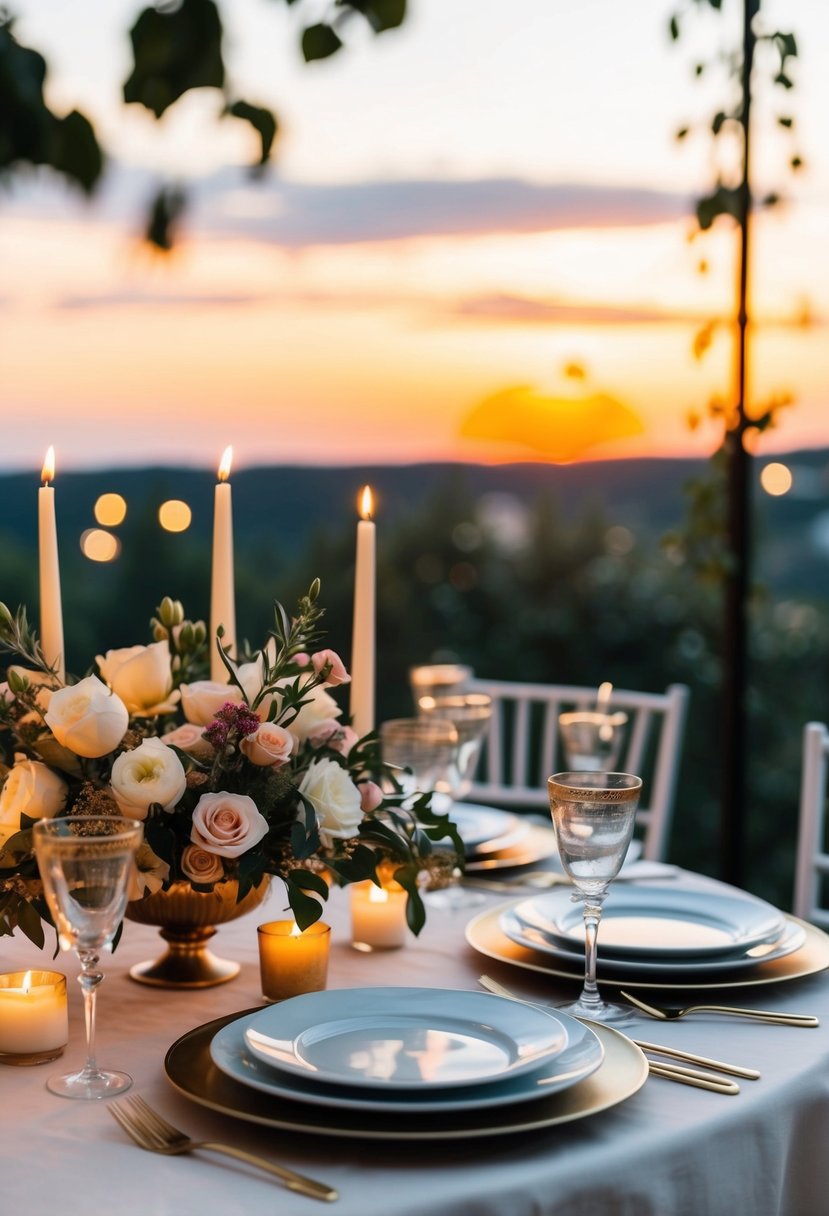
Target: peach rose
[227, 824]
[271, 745]
[201, 866]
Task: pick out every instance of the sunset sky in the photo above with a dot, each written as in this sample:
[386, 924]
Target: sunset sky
[473, 245]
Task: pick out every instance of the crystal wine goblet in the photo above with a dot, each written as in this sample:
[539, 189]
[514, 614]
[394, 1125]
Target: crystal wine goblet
[592, 740]
[470, 713]
[85, 863]
[435, 679]
[593, 815]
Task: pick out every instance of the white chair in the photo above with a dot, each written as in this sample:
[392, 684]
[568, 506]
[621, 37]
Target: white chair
[812, 858]
[522, 748]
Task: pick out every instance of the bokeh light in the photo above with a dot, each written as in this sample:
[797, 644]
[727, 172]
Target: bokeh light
[110, 510]
[174, 515]
[100, 546]
[776, 479]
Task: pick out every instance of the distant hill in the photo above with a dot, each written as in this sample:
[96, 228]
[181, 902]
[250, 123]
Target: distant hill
[289, 504]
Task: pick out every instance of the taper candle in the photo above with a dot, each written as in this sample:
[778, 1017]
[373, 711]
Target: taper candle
[363, 634]
[51, 611]
[222, 592]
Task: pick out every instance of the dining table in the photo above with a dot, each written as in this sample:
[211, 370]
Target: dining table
[666, 1150]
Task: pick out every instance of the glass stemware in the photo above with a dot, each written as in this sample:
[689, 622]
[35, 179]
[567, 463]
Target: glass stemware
[435, 679]
[593, 816]
[592, 740]
[85, 863]
[470, 714]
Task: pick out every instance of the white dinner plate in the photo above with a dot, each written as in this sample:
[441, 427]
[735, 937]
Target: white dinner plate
[486, 829]
[790, 940]
[581, 1056]
[657, 923]
[403, 1038]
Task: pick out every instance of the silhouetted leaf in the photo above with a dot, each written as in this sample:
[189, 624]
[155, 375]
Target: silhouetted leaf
[718, 121]
[682, 132]
[723, 201]
[785, 121]
[380, 14]
[165, 212]
[263, 122]
[796, 162]
[175, 50]
[76, 152]
[786, 81]
[319, 41]
[673, 28]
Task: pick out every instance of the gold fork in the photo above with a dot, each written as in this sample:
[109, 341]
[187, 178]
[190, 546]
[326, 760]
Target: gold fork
[150, 1131]
[762, 1015]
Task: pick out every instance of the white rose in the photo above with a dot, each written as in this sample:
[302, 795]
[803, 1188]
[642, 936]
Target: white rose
[202, 699]
[190, 738]
[151, 772]
[270, 745]
[335, 799]
[87, 718]
[31, 788]
[227, 824]
[321, 707]
[142, 678]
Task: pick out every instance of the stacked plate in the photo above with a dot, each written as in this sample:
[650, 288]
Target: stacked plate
[406, 1050]
[658, 931]
[496, 839]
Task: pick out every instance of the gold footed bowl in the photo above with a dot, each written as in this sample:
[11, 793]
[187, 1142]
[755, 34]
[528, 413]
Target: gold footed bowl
[188, 919]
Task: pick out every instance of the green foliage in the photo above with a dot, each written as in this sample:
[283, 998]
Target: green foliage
[174, 50]
[30, 133]
[319, 42]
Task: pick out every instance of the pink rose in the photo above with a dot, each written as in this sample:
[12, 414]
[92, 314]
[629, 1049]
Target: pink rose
[270, 745]
[333, 734]
[329, 658]
[200, 866]
[371, 796]
[302, 659]
[189, 738]
[227, 824]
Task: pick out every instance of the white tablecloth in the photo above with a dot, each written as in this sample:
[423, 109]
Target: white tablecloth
[667, 1151]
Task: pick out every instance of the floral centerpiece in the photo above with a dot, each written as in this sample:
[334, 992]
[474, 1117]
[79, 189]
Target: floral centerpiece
[232, 781]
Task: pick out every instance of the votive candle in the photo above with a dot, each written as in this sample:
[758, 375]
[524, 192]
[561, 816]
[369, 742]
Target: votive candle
[34, 1023]
[292, 960]
[378, 916]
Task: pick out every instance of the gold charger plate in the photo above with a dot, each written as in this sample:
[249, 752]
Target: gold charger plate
[191, 1071]
[485, 935]
[538, 844]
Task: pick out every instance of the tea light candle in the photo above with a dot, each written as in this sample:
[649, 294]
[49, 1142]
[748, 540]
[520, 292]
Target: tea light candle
[34, 1024]
[291, 960]
[378, 916]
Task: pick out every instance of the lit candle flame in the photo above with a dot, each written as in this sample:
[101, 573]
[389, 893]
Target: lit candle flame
[225, 463]
[603, 697]
[377, 895]
[27, 981]
[366, 503]
[296, 931]
[48, 471]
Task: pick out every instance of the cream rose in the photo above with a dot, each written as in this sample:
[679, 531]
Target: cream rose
[335, 799]
[142, 678]
[227, 824]
[31, 788]
[189, 738]
[271, 745]
[149, 873]
[87, 718]
[320, 707]
[201, 866]
[151, 772]
[202, 699]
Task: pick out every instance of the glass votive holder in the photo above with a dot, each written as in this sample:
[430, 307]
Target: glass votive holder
[435, 679]
[34, 1020]
[378, 916]
[592, 741]
[292, 960]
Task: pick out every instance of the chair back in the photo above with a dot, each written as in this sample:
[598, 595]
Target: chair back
[522, 748]
[812, 859]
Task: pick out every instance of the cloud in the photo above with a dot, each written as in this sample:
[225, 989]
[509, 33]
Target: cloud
[300, 214]
[525, 309]
[154, 300]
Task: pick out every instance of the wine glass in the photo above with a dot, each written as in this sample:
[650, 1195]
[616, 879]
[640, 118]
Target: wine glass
[593, 815]
[592, 740]
[85, 862]
[428, 748]
[434, 679]
[470, 714]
